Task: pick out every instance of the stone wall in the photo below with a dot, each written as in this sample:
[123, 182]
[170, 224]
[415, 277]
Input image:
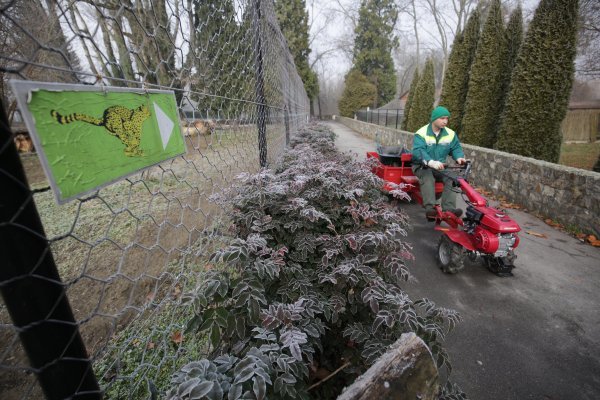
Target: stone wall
[568, 195]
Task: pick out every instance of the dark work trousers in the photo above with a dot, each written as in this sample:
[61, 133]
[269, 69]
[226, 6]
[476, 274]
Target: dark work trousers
[427, 178]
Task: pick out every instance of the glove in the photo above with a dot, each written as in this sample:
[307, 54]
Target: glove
[461, 161]
[435, 165]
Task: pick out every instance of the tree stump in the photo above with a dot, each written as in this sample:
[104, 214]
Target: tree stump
[406, 371]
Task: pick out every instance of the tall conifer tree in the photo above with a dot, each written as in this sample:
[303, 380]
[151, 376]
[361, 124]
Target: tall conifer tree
[411, 94]
[293, 21]
[541, 83]
[514, 39]
[219, 73]
[422, 103]
[373, 45]
[358, 93]
[456, 80]
[481, 117]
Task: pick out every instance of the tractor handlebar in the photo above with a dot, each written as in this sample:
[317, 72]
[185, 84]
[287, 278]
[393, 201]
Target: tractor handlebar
[466, 168]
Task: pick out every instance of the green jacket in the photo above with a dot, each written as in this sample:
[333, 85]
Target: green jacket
[427, 146]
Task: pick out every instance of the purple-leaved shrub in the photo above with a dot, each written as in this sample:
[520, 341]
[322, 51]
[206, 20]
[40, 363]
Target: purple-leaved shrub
[313, 282]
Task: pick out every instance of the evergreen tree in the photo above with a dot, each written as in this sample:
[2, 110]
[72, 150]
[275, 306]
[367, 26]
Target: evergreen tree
[222, 72]
[482, 108]
[373, 45]
[422, 103]
[293, 21]
[456, 80]
[514, 38]
[409, 100]
[358, 93]
[541, 83]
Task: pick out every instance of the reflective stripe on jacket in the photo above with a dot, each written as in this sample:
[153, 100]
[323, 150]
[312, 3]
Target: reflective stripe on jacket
[427, 146]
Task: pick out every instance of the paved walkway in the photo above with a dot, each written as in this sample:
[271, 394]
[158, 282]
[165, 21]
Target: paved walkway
[532, 336]
[349, 141]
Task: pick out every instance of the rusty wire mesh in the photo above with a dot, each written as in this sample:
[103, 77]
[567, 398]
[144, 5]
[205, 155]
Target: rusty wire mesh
[127, 253]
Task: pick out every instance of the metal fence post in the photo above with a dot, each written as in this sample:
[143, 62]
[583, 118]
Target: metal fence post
[32, 290]
[260, 87]
[397, 115]
[386, 113]
[286, 119]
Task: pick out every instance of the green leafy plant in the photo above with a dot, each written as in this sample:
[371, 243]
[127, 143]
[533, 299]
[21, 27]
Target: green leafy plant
[313, 285]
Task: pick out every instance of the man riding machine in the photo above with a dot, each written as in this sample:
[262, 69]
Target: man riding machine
[432, 145]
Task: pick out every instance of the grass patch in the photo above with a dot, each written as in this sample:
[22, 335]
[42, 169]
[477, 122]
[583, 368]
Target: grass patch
[143, 357]
[579, 155]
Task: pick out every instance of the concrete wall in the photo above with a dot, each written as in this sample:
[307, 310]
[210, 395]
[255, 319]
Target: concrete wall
[568, 195]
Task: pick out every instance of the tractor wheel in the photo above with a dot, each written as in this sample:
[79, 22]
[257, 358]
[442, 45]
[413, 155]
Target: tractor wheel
[450, 256]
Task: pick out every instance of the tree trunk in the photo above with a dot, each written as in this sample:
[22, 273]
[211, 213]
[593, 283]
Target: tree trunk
[416, 31]
[405, 371]
[74, 13]
[119, 39]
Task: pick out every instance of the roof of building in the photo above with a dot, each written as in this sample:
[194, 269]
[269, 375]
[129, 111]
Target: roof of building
[585, 105]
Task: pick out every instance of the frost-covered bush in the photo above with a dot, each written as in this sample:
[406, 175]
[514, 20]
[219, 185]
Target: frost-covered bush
[313, 282]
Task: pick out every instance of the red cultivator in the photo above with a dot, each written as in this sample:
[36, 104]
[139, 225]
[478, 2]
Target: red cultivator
[484, 231]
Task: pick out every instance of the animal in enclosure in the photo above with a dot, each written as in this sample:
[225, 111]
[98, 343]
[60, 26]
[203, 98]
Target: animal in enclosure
[200, 127]
[24, 143]
[122, 122]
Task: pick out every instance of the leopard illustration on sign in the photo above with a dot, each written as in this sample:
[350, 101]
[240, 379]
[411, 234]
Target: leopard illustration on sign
[119, 121]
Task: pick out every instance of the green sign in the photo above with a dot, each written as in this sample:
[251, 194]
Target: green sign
[88, 137]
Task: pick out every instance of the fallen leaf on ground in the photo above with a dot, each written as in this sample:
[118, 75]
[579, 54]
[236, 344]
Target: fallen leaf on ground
[552, 223]
[177, 337]
[483, 191]
[581, 235]
[536, 234]
[176, 291]
[150, 345]
[150, 297]
[593, 240]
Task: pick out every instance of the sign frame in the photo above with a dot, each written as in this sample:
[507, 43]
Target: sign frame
[23, 90]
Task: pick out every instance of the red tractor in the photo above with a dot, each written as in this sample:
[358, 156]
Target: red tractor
[484, 231]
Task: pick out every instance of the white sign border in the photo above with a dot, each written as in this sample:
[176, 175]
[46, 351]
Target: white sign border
[22, 89]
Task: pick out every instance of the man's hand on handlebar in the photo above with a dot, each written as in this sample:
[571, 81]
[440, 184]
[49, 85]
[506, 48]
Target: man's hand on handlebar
[435, 165]
[461, 161]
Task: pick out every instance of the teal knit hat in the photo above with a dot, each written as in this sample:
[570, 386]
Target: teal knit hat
[439, 112]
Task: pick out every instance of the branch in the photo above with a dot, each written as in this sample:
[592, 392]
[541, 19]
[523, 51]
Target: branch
[321, 55]
[330, 375]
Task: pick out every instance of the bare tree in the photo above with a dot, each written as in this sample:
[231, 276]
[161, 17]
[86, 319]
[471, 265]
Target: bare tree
[441, 24]
[415, 22]
[449, 17]
[348, 12]
[462, 9]
[28, 46]
[320, 20]
[587, 66]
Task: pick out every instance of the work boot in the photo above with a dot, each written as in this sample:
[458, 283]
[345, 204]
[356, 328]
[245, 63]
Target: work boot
[456, 211]
[430, 214]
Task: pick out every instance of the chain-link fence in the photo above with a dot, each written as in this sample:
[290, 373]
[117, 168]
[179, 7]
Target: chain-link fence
[390, 118]
[93, 291]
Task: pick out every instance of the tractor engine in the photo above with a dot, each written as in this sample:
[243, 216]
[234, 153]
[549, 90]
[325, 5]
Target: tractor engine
[492, 231]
